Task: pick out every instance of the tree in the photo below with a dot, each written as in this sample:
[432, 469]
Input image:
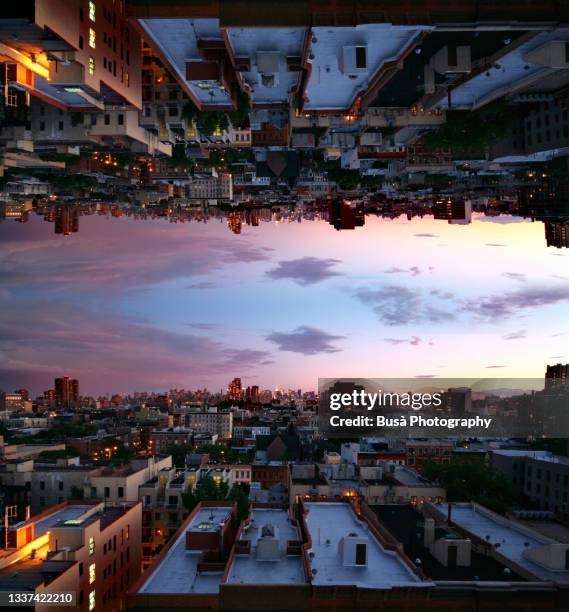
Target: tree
[76, 492]
[179, 453]
[239, 494]
[474, 482]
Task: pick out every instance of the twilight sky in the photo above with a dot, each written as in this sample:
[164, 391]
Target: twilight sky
[130, 305]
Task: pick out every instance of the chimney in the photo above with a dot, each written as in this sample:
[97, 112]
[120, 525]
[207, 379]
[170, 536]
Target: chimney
[429, 532]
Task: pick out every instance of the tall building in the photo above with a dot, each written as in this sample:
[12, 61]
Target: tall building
[557, 376]
[234, 391]
[66, 392]
[66, 220]
[73, 55]
[90, 548]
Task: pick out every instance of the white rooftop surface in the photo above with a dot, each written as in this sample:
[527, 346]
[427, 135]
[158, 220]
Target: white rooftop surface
[511, 75]
[247, 569]
[539, 455]
[247, 42]
[177, 572]
[329, 87]
[65, 514]
[178, 39]
[331, 522]
[512, 539]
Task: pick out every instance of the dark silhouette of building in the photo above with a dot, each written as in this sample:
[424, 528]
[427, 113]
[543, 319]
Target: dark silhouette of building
[66, 392]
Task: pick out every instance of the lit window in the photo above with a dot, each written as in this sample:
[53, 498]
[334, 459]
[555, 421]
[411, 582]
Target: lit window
[92, 38]
[91, 546]
[127, 79]
[92, 11]
[92, 575]
[92, 66]
[91, 601]
[127, 532]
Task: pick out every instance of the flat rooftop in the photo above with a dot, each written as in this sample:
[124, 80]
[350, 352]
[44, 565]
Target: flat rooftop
[267, 50]
[177, 571]
[283, 569]
[69, 513]
[512, 538]
[328, 523]
[512, 72]
[538, 455]
[177, 39]
[329, 87]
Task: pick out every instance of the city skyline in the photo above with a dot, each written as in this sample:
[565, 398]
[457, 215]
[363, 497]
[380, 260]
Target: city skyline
[126, 305]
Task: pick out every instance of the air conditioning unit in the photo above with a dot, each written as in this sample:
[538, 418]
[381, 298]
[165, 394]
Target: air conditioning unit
[353, 60]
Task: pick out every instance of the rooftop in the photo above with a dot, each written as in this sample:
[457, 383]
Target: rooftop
[406, 525]
[514, 538]
[267, 49]
[538, 455]
[511, 72]
[328, 524]
[333, 84]
[258, 567]
[177, 571]
[177, 39]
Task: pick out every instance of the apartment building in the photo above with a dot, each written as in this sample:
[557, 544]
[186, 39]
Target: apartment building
[121, 484]
[74, 55]
[90, 548]
[207, 421]
[540, 476]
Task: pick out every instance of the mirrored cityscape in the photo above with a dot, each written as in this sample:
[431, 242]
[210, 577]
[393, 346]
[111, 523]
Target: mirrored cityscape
[208, 207]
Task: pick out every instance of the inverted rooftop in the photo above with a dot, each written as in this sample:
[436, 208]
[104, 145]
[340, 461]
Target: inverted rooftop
[339, 72]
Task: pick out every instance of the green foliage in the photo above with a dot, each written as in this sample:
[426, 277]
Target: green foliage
[470, 133]
[371, 181]
[345, 178]
[179, 453]
[179, 158]
[76, 118]
[557, 446]
[76, 492]
[73, 182]
[206, 490]
[240, 117]
[57, 454]
[474, 481]
[239, 495]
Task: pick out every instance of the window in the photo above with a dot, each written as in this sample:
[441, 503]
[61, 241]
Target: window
[127, 79]
[127, 532]
[92, 18]
[42, 482]
[92, 593]
[81, 42]
[92, 573]
[81, 569]
[107, 489]
[60, 127]
[91, 546]
[121, 122]
[92, 66]
[92, 38]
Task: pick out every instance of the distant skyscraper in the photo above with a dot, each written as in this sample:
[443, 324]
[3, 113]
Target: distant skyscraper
[557, 234]
[557, 376]
[66, 392]
[234, 390]
[66, 220]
